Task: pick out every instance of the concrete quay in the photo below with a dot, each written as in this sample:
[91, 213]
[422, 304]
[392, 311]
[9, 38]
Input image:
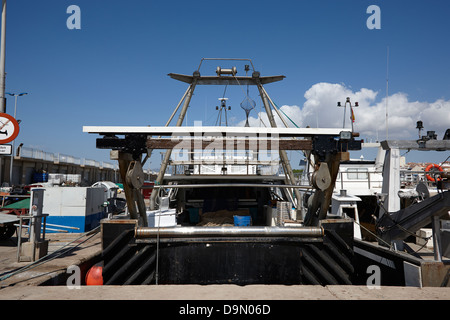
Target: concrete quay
[222, 292]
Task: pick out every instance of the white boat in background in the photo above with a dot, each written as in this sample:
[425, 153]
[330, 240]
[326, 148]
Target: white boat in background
[362, 180]
[362, 177]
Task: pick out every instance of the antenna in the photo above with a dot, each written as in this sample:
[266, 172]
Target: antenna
[419, 126]
[387, 92]
[352, 115]
[223, 107]
[345, 106]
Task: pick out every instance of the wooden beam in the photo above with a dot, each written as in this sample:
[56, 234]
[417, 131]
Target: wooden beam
[231, 144]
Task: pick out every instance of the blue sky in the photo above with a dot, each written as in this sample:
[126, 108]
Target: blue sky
[113, 71]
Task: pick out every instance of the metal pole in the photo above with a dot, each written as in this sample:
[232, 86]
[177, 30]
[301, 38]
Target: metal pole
[283, 155]
[12, 149]
[165, 162]
[178, 105]
[252, 231]
[436, 229]
[2, 60]
[345, 108]
[387, 92]
[275, 107]
[231, 185]
[149, 152]
[19, 237]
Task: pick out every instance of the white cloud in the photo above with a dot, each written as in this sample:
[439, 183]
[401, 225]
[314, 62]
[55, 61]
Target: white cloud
[320, 110]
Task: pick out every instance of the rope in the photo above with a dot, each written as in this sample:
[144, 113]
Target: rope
[397, 224]
[157, 249]
[376, 236]
[287, 116]
[277, 108]
[390, 245]
[53, 255]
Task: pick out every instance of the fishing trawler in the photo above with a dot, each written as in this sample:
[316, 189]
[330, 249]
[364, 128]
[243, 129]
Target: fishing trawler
[220, 213]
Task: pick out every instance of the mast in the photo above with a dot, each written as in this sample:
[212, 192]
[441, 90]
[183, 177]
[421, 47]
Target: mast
[165, 162]
[283, 155]
[387, 92]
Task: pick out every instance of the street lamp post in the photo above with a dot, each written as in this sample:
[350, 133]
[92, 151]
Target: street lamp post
[2, 59]
[12, 150]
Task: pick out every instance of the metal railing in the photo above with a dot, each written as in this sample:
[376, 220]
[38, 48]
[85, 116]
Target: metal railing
[236, 162]
[371, 179]
[30, 153]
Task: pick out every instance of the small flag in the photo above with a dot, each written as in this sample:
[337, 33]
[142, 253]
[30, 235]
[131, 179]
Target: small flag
[352, 115]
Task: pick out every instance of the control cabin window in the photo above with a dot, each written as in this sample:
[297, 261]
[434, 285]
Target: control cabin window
[357, 173]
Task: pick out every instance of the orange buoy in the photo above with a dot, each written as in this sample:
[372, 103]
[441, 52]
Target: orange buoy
[433, 167]
[94, 276]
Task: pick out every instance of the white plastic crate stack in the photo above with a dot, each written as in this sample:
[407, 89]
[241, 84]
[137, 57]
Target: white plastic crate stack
[73, 178]
[60, 178]
[55, 178]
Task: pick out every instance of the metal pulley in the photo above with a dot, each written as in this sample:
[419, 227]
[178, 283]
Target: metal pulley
[135, 175]
[321, 178]
[220, 71]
